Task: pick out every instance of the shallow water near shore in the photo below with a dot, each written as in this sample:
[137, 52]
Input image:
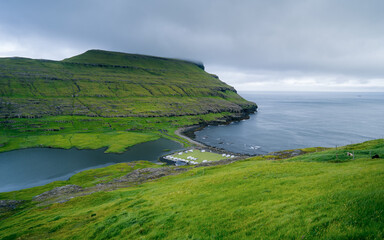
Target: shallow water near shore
[32, 167]
[287, 120]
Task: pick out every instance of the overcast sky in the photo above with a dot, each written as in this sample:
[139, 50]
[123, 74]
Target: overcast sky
[300, 45]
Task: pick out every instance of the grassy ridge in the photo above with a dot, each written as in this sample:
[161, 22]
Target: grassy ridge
[132, 60]
[304, 197]
[108, 84]
[93, 99]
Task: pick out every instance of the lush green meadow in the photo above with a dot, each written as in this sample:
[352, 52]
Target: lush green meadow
[306, 197]
[93, 132]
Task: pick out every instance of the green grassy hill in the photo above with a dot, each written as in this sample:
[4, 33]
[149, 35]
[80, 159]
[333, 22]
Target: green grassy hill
[107, 94]
[319, 195]
[109, 84]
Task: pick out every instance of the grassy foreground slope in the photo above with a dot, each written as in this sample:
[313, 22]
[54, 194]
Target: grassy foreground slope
[102, 92]
[313, 196]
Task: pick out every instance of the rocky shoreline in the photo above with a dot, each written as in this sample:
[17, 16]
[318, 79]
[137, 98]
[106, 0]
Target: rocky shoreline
[188, 132]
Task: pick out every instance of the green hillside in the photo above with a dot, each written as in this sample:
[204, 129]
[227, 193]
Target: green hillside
[319, 195]
[108, 84]
[111, 95]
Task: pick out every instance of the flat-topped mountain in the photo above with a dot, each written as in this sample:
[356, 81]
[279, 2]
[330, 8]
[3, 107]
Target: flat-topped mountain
[131, 60]
[112, 84]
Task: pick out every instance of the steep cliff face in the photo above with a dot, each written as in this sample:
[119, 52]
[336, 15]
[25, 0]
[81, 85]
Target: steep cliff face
[111, 84]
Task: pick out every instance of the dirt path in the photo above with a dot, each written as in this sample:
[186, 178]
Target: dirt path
[179, 132]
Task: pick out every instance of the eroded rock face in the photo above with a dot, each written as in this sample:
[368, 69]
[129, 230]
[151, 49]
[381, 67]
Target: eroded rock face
[7, 205]
[56, 192]
[288, 153]
[146, 174]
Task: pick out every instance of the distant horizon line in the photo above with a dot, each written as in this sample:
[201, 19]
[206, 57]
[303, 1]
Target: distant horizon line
[309, 91]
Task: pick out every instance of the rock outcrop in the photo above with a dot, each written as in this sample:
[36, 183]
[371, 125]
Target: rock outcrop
[56, 192]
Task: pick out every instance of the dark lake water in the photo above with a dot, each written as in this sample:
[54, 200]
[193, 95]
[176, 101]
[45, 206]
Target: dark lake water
[298, 120]
[37, 166]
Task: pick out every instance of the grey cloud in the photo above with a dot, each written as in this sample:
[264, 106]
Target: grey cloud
[317, 37]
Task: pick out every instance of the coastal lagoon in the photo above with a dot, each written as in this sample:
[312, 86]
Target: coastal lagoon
[283, 121]
[32, 167]
[288, 120]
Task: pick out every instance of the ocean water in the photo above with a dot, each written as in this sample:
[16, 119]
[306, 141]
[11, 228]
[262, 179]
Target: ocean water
[287, 120]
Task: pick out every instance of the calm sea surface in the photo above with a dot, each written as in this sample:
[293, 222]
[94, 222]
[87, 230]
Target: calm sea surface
[38, 166]
[298, 120]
